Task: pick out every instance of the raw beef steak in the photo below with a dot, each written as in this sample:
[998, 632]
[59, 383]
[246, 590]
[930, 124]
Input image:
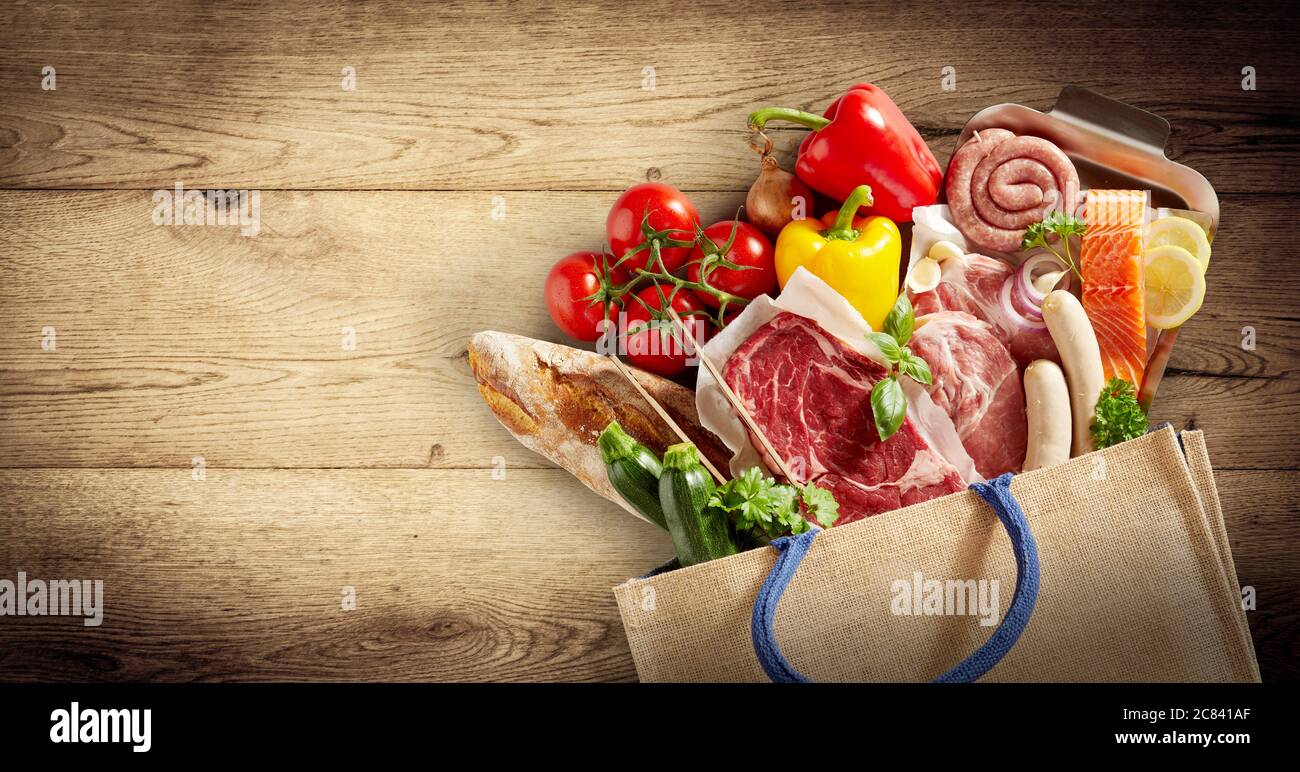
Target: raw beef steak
[811, 395]
[978, 384]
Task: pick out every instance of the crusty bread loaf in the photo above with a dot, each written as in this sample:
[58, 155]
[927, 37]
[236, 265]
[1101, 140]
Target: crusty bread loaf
[556, 400]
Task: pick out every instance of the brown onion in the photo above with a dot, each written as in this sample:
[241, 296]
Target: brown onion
[770, 203]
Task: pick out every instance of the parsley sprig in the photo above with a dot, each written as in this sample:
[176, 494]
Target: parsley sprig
[1064, 227]
[888, 402]
[765, 509]
[1119, 416]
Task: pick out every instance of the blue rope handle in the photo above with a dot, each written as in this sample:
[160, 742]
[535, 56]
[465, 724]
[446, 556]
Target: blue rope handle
[792, 549]
[762, 626]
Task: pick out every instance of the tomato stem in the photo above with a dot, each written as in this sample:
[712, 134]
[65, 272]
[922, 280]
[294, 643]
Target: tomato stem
[657, 273]
[681, 283]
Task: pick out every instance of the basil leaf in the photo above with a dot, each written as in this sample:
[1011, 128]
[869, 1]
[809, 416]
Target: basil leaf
[887, 345]
[915, 367]
[888, 407]
[900, 321]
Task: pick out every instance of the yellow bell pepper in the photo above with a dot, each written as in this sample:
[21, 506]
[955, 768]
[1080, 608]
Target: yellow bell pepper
[857, 256]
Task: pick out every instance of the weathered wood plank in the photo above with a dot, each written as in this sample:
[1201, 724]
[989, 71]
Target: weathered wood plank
[485, 97]
[1259, 511]
[182, 342]
[176, 342]
[240, 576]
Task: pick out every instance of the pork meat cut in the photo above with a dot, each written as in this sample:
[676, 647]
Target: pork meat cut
[978, 384]
[973, 284]
[811, 396]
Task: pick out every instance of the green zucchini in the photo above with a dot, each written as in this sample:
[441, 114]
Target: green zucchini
[633, 470]
[699, 534]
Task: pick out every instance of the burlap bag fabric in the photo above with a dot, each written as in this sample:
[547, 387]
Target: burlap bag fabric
[1137, 584]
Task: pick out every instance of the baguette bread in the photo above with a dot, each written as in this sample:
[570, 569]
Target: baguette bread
[556, 400]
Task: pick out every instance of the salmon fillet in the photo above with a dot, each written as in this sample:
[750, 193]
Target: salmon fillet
[1110, 260]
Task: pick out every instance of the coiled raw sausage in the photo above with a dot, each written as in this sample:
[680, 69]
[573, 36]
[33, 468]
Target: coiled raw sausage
[999, 184]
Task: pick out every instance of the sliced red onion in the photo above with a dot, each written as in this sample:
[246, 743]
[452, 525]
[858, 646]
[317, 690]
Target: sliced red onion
[1025, 276]
[1020, 299]
[1013, 316]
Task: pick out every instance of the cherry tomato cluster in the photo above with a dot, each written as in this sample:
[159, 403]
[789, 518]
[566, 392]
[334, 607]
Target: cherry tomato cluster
[658, 257]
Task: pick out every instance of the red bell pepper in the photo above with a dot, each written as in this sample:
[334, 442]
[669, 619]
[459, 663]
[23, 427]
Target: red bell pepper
[863, 140]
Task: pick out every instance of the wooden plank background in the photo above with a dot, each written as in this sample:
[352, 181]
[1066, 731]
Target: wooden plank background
[372, 468]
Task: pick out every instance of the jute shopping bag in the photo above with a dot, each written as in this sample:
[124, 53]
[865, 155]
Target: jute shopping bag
[1113, 566]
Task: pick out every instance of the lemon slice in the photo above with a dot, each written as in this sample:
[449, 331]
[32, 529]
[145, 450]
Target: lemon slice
[1175, 286]
[1180, 232]
[925, 275]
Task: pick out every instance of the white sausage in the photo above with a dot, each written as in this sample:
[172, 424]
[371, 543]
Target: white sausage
[1047, 403]
[1077, 343]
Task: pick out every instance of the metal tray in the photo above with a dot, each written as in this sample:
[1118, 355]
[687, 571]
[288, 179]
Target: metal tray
[1113, 145]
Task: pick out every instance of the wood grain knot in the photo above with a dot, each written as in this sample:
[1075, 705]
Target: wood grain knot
[451, 627]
